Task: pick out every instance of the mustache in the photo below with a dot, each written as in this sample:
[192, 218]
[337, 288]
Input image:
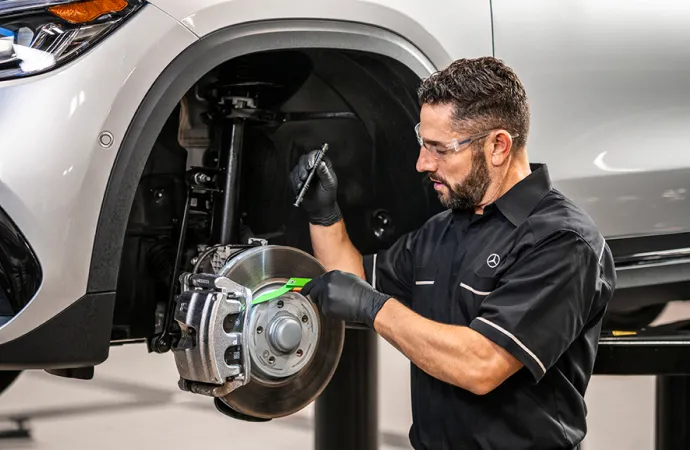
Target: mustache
[430, 178]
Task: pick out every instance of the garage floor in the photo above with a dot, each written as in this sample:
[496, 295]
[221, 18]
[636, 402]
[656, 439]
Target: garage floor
[134, 403]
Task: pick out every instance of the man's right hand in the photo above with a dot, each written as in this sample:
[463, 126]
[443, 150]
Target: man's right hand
[320, 200]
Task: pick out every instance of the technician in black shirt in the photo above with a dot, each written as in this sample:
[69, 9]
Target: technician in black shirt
[498, 301]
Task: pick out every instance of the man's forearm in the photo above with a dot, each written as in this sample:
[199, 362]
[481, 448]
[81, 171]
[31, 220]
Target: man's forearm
[332, 246]
[454, 354]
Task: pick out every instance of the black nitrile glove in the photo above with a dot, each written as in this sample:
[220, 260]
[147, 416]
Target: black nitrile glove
[320, 201]
[345, 296]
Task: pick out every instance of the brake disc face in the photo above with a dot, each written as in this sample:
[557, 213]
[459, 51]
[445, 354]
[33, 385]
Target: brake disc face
[284, 336]
[294, 349]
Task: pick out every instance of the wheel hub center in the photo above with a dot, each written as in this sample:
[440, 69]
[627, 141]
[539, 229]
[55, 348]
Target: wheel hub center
[285, 333]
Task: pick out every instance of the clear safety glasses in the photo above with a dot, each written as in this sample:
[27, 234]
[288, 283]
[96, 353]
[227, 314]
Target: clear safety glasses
[441, 150]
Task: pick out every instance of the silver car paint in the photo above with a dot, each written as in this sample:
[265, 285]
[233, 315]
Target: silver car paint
[53, 172]
[609, 88]
[441, 29]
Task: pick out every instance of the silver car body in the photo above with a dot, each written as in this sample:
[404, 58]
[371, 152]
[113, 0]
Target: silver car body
[607, 82]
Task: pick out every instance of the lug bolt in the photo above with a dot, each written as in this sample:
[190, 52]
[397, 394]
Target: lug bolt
[300, 353]
[271, 360]
[305, 319]
[201, 178]
[280, 304]
[259, 330]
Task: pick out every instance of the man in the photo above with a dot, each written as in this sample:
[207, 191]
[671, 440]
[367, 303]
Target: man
[498, 301]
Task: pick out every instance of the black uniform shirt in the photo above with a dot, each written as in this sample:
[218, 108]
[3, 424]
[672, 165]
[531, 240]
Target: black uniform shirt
[533, 275]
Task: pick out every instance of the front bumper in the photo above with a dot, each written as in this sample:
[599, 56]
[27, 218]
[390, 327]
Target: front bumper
[53, 168]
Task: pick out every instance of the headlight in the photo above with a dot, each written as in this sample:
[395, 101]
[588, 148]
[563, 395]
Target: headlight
[54, 32]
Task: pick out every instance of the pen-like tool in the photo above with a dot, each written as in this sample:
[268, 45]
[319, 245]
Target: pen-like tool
[319, 158]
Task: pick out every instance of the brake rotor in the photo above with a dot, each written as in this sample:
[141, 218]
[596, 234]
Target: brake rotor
[294, 349]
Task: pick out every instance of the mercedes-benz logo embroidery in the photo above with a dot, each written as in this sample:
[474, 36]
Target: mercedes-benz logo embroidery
[493, 260]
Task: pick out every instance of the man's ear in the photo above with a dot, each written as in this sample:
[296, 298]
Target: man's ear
[500, 145]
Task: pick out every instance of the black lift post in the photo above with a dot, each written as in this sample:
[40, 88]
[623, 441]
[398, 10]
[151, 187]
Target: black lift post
[347, 410]
[666, 354]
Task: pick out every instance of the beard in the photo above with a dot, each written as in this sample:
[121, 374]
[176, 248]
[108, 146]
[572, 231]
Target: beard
[471, 191]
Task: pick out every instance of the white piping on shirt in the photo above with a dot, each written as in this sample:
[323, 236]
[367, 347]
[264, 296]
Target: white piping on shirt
[471, 289]
[424, 282]
[603, 246]
[373, 274]
[516, 340]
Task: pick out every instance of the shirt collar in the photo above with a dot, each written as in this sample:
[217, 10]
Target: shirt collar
[519, 202]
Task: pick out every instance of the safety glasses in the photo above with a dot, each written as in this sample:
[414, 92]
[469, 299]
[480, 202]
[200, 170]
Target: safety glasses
[442, 150]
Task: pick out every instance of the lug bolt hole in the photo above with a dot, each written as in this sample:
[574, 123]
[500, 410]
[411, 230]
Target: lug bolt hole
[259, 330]
[271, 360]
[266, 353]
[300, 353]
[280, 304]
[305, 319]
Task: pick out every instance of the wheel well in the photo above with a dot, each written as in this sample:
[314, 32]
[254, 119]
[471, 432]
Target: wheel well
[186, 70]
[361, 72]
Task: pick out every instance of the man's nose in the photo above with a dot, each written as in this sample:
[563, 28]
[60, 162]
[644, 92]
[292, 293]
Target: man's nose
[425, 162]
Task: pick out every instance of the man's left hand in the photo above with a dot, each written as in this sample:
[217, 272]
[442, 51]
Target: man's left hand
[345, 296]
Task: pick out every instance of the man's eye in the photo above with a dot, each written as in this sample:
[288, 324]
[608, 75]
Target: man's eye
[440, 150]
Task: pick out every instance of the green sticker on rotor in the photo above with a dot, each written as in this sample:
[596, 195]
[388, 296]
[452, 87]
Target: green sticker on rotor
[293, 284]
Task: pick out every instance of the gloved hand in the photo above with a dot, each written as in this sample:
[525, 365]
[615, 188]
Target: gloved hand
[320, 200]
[345, 296]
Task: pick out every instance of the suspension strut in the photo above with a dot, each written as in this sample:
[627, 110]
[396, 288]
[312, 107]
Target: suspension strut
[229, 214]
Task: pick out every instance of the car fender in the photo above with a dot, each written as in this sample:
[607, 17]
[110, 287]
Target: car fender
[442, 30]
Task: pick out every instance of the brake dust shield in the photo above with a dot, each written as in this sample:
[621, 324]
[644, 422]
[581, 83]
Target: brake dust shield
[294, 349]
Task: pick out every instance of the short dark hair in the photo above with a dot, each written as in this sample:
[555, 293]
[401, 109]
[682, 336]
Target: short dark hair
[486, 94]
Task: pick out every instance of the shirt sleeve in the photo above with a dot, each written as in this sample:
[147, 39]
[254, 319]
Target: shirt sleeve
[542, 303]
[391, 271]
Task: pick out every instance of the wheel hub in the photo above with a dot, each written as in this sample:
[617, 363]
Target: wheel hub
[285, 335]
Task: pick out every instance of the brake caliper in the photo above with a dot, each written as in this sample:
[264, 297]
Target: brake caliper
[212, 356]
